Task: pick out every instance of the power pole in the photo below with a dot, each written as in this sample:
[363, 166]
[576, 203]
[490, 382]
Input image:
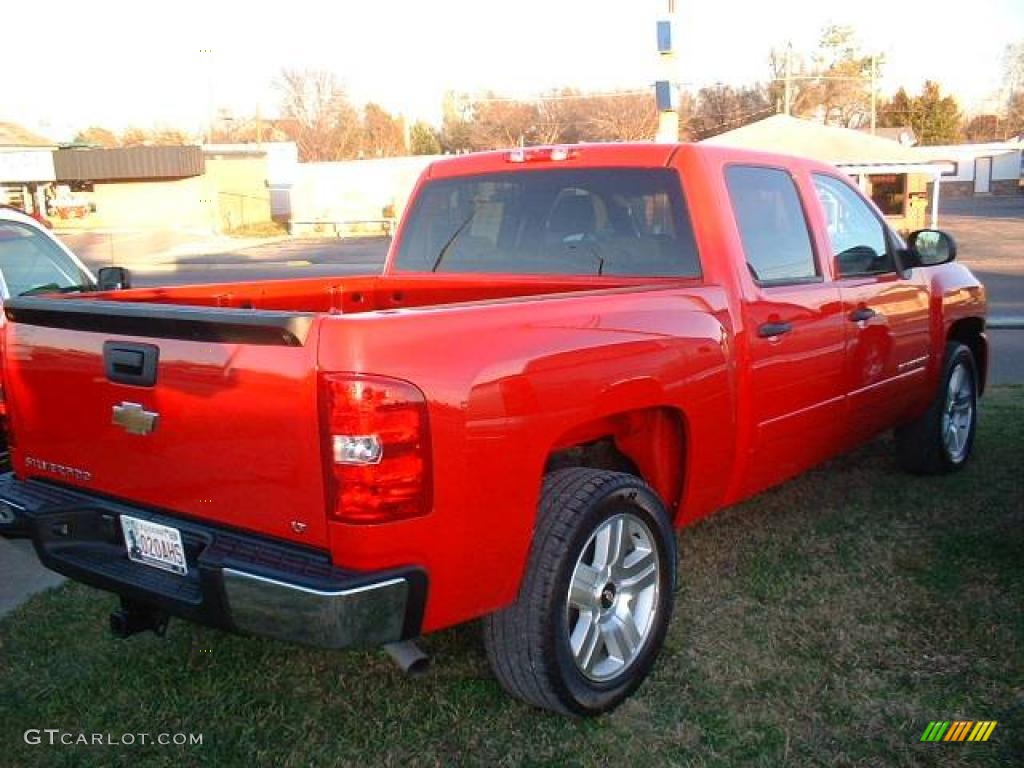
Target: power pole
[874, 98]
[666, 97]
[789, 80]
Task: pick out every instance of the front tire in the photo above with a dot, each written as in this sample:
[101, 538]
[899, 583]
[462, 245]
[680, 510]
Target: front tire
[941, 440]
[596, 599]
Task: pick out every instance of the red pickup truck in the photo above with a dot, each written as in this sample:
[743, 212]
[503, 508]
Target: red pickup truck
[571, 352]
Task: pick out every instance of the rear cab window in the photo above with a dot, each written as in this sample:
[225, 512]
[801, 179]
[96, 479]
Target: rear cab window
[602, 221]
[772, 224]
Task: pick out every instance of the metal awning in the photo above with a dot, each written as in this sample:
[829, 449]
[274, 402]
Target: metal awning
[128, 163]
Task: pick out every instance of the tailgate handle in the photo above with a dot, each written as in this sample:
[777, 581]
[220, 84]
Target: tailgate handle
[127, 363]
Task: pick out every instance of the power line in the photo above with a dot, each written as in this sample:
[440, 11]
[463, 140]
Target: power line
[556, 97]
[712, 130]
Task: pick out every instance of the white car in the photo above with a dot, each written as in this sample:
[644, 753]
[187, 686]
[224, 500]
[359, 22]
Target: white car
[34, 261]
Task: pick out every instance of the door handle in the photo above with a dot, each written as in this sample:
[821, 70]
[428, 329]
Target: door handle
[862, 314]
[770, 330]
[128, 363]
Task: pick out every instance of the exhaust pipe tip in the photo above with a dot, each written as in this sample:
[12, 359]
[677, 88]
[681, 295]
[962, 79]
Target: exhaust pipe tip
[409, 657]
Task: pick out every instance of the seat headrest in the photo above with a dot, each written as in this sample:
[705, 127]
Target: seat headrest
[572, 214]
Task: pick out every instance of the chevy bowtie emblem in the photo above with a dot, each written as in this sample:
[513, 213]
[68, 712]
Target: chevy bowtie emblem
[134, 419]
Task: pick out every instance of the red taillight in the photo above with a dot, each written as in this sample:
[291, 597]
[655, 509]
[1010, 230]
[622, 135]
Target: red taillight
[376, 448]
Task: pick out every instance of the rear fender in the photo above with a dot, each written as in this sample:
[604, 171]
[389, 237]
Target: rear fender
[652, 439]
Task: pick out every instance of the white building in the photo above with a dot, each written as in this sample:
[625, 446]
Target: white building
[979, 169]
[26, 167]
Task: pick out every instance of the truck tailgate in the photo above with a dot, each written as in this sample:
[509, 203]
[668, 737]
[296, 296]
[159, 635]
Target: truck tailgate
[211, 413]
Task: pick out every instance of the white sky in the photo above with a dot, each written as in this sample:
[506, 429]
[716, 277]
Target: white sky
[122, 63]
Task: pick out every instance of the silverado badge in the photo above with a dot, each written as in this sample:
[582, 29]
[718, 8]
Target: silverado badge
[134, 419]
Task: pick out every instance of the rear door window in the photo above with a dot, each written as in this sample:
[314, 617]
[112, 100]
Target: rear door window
[609, 221]
[772, 224]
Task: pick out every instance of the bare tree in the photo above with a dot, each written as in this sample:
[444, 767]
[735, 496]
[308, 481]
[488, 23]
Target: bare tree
[161, 136]
[832, 84]
[423, 139]
[1013, 85]
[1015, 114]
[783, 62]
[982, 128]
[96, 136]
[562, 118]
[247, 130]
[456, 124]
[622, 117]
[721, 108]
[318, 116]
[164, 136]
[383, 133]
[135, 137]
[499, 122]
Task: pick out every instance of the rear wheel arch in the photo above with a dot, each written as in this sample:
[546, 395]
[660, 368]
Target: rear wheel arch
[650, 443]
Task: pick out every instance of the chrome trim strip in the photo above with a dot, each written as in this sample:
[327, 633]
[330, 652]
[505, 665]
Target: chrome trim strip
[886, 382]
[310, 590]
[918, 362]
[373, 614]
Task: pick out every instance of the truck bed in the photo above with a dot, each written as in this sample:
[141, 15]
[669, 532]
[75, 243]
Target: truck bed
[352, 295]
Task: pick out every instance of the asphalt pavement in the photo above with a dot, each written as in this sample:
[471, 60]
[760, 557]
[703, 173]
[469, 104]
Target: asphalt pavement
[990, 240]
[184, 260]
[21, 575]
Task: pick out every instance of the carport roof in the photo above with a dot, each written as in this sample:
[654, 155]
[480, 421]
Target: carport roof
[128, 163]
[826, 143]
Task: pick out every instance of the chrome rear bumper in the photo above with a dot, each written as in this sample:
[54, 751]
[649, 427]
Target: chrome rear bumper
[237, 581]
[372, 614]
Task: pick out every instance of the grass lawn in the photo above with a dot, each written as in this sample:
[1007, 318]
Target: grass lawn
[826, 622]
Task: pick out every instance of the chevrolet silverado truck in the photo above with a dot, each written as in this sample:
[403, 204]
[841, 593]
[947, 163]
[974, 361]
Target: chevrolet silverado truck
[571, 353]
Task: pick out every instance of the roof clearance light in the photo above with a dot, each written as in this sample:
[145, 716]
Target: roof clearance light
[541, 154]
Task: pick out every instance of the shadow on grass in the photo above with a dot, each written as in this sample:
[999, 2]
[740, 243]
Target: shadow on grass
[825, 622]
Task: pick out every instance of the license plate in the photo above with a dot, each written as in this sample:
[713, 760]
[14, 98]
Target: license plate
[153, 544]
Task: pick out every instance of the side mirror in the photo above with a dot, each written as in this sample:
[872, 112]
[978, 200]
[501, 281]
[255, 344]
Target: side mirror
[113, 279]
[929, 248]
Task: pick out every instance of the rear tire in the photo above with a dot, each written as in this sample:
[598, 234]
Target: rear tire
[941, 440]
[596, 599]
